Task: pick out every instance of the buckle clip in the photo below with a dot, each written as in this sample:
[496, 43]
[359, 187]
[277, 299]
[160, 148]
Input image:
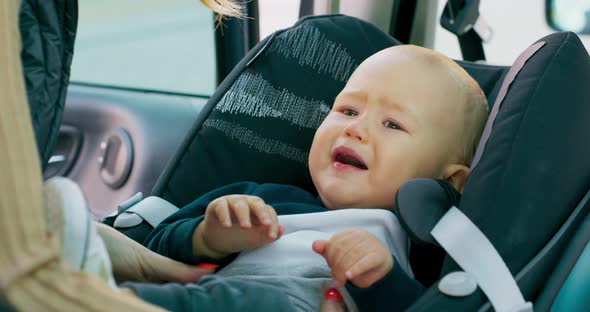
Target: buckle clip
[122, 207]
[460, 16]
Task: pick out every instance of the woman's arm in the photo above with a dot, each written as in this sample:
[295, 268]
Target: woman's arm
[133, 262]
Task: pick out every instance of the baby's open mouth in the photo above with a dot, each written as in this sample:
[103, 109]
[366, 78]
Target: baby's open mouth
[347, 156]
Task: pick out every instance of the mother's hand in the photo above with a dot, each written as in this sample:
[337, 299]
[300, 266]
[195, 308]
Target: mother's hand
[133, 262]
[332, 301]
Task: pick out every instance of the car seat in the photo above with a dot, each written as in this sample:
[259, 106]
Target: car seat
[529, 186]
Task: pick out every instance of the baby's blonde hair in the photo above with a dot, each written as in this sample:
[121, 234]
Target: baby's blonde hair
[475, 110]
[475, 107]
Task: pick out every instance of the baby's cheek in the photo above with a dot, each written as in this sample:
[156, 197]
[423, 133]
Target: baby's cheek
[383, 190]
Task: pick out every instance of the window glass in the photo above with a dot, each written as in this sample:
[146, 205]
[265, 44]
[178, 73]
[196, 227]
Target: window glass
[147, 44]
[276, 14]
[516, 25]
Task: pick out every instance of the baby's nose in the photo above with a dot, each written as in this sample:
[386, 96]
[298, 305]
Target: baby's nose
[356, 131]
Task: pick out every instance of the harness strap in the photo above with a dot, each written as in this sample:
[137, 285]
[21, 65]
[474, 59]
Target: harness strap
[475, 254]
[152, 209]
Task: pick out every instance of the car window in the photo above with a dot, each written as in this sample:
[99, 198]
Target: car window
[146, 44]
[276, 14]
[516, 25]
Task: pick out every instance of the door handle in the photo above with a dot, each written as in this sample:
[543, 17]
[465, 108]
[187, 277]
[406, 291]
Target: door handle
[57, 159]
[65, 152]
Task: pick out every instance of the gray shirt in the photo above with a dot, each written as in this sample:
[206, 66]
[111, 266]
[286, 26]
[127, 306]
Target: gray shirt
[290, 263]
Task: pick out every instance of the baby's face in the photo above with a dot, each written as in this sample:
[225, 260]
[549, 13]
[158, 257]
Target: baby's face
[393, 122]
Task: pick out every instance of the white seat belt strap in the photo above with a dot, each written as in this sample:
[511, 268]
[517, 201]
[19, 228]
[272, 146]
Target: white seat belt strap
[475, 254]
[152, 209]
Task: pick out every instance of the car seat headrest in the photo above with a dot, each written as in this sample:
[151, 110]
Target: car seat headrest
[419, 205]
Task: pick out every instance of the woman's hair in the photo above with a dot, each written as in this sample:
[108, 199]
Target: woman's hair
[224, 8]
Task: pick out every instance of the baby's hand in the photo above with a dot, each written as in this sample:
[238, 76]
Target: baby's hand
[355, 255]
[234, 223]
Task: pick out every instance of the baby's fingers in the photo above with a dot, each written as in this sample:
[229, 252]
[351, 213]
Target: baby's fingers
[259, 209]
[274, 231]
[365, 264]
[319, 246]
[221, 211]
[281, 230]
[241, 210]
[366, 271]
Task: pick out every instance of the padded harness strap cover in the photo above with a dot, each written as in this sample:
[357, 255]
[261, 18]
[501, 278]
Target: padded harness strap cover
[152, 209]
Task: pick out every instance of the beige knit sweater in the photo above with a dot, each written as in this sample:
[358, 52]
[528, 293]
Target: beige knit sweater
[32, 276]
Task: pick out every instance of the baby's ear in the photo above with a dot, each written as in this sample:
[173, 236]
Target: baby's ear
[456, 175]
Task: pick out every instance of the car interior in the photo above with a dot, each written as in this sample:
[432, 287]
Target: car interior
[527, 194]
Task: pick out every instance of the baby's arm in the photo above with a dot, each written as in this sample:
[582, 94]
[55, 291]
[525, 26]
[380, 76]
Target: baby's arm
[175, 236]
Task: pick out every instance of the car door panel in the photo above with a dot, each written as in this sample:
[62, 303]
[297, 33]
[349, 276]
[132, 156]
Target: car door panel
[104, 129]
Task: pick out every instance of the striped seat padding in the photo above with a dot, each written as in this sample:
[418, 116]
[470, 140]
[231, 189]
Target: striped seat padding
[259, 124]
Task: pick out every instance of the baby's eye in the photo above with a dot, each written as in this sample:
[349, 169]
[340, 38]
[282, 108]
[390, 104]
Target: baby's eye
[349, 112]
[392, 125]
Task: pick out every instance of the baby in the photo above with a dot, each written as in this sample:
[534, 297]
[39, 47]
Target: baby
[406, 112]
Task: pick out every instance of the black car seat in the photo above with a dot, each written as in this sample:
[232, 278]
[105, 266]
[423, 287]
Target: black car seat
[528, 190]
